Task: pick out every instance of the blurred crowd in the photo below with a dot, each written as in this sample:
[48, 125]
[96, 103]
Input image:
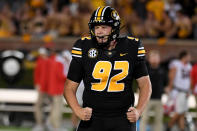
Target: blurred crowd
[59, 18]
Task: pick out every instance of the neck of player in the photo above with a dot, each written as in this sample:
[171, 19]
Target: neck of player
[112, 45]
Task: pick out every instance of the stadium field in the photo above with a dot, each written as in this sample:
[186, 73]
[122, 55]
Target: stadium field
[14, 129]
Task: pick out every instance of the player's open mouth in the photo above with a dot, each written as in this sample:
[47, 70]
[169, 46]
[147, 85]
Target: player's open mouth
[102, 39]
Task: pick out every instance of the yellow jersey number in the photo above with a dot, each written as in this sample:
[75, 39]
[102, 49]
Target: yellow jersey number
[102, 70]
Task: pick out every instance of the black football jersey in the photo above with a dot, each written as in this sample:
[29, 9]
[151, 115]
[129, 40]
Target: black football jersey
[108, 74]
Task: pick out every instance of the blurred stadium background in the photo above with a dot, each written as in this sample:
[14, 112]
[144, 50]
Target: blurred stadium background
[25, 25]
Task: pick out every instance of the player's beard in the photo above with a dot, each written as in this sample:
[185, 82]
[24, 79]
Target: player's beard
[102, 44]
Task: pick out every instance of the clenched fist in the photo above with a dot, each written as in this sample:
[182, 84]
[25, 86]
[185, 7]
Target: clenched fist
[84, 113]
[133, 114]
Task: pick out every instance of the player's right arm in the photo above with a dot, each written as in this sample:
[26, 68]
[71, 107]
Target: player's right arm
[75, 75]
[70, 96]
[171, 77]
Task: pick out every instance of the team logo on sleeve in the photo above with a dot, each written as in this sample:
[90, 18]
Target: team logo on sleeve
[92, 53]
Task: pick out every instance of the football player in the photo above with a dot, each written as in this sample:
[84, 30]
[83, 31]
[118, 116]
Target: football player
[107, 64]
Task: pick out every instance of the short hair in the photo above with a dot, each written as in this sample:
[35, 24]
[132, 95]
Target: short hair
[154, 52]
[183, 53]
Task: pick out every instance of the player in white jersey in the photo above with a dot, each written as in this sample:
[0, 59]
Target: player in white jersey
[182, 79]
[179, 82]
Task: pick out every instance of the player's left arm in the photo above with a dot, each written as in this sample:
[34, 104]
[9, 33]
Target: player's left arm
[140, 73]
[145, 88]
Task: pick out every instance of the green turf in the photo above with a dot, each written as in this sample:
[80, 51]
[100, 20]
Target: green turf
[14, 129]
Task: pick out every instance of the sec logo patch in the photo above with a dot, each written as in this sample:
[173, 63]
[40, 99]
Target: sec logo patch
[92, 53]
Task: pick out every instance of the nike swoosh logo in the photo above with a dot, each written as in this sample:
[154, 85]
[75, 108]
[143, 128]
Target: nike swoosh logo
[123, 54]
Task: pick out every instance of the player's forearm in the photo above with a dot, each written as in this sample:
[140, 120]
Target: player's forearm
[70, 96]
[171, 76]
[144, 93]
[170, 83]
[71, 100]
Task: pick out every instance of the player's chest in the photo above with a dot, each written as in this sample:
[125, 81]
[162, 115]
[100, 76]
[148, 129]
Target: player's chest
[103, 61]
[107, 69]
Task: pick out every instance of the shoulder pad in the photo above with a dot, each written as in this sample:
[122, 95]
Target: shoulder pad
[85, 38]
[133, 38]
[139, 47]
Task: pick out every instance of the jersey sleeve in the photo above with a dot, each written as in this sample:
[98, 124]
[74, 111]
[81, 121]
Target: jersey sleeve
[140, 68]
[75, 72]
[173, 64]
